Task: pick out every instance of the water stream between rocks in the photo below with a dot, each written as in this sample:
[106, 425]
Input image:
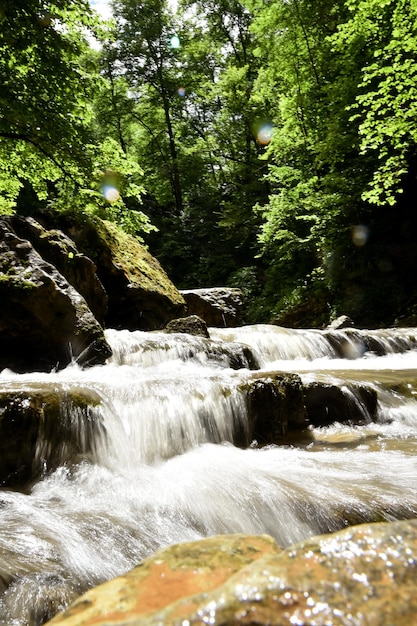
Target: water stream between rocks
[163, 468]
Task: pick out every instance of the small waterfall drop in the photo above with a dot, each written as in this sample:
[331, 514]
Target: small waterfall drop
[158, 432]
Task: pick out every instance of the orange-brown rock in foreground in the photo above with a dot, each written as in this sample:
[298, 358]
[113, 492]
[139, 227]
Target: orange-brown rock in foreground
[361, 576]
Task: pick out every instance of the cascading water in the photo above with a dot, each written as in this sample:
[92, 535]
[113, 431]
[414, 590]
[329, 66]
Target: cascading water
[164, 467]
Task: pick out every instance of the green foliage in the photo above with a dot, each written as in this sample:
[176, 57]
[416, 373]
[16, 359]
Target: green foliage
[386, 104]
[116, 178]
[259, 135]
[312, 144]
[46, 82]
[343, 77]
[48, 141]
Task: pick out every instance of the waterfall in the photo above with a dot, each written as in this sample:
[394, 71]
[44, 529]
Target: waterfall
[158, 461]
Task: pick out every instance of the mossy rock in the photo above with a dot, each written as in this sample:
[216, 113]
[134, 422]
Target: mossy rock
[41, 428]
[140, 294]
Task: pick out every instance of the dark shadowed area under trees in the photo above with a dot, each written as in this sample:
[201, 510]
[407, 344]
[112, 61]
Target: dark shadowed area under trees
[270, 146]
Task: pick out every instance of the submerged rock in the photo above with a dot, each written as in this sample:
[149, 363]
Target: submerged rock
[44, 322]
[351, 404]
[362, 575]
[48, 595]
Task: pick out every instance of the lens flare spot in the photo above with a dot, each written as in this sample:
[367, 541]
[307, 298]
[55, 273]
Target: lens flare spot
[263, 132]
[175, 42]
[181, 91]
[360, 235]
[110, 186]
[110, 193]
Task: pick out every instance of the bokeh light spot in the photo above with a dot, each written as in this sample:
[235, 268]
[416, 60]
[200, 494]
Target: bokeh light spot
[174, 42]
[110, 186]
[110, 193]
[360, 235]
[263, 131]
[181, 91]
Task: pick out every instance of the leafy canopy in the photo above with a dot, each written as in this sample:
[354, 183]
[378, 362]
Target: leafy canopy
[48, 139]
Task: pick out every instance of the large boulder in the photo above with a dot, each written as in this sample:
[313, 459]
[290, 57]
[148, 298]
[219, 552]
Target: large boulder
[217, 306]
[363, 575]
[44, 322]
[58, 249]
[140, 294]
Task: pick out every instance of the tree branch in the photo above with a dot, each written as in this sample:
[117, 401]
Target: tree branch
[42, 150]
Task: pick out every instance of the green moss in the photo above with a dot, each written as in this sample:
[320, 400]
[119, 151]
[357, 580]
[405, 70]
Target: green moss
[15, 281]
[140, 267]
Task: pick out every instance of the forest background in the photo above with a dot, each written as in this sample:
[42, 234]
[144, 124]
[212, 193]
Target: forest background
[269, 145]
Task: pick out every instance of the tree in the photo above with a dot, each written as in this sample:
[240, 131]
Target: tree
[47, 81]
[313, 144]
[343, 140]
[189, 78]
[146, 49]
[49, 146]
[386, 102]
[227, 113]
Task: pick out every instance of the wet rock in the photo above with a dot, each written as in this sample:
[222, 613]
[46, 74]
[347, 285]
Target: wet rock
[140, 294]
[344, 321]
[48, 595]
[362, 575]
[232, 354]
[192, 325]
[59, 250]
[370, 342]
[217, 306]
[326, 404]
[172, 574]
[44, 322]
[275, 407]
[228, 354]
[42, 428]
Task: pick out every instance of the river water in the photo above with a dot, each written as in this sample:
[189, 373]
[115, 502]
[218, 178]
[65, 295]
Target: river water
[164, 468]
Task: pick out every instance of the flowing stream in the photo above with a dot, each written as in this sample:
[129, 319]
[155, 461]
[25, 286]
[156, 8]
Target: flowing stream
[164, 468]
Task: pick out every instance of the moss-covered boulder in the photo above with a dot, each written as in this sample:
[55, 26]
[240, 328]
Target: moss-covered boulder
[364, 575]
[43, 427]
[140, 294]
